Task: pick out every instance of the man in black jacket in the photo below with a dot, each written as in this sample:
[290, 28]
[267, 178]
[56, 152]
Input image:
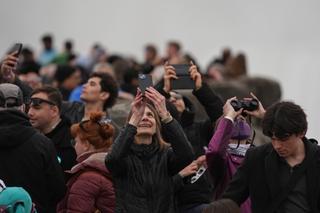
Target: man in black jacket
[193, 197]
[28, 159]
[44, 114]
[283, 176]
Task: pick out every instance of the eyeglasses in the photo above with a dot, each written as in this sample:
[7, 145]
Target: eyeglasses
[198, 174]
[38, 101]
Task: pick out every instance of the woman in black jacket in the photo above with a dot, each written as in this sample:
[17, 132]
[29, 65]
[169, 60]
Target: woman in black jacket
[142, 163]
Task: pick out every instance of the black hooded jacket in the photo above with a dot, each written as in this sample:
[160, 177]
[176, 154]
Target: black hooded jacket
[199, 134]
[143, 173]
[61, 138]
[28, 159]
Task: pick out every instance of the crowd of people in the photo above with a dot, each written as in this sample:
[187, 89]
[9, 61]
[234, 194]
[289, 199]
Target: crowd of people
[77, 134]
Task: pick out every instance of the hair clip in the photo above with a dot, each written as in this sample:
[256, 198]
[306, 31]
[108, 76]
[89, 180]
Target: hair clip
[104, 120]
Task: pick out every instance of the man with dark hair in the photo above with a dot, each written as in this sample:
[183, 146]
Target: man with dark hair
[98, 95]
[283, 176]
[44, 114]
[28, 159]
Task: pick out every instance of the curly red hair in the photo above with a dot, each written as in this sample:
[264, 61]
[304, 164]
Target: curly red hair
[97, 133]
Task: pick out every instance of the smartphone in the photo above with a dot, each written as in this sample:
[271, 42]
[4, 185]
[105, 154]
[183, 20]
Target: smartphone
[16, 48]
[145, 80]
[184, 80]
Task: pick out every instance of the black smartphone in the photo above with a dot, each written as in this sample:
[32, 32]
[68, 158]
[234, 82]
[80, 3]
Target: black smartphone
[184, 80]
[145, 80]
[16, 48]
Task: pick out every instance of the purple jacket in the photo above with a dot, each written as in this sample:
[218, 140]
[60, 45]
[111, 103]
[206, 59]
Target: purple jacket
[221, 164]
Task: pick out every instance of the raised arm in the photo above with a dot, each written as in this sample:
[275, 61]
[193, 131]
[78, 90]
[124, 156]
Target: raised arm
[7, 75]
[115, 160]
[211, 102]
[181, 153]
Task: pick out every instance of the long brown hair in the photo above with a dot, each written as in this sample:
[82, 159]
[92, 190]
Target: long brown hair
[157, 137]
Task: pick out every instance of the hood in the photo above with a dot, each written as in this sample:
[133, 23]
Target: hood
[241, 130]
[91, 161]
[188, 114]
[15, 128]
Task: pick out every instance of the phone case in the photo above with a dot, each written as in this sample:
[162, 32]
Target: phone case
[184, 80]
[145, 80]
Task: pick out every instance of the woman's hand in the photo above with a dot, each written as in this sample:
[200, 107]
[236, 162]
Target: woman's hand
[8, 64]
[191, 169]
[169, 73]
[195, 75]
[259, 113]
[159, 102]
[137, 107]
[229, 111]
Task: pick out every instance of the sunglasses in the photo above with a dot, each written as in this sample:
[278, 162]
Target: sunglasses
[38, 101]
[198, 174]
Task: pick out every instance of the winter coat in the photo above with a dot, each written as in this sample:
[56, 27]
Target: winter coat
[258, 177]
[90, 187]
[61, 138]
[28, 159]
[199, 134]
[143, 173]
[222, 165]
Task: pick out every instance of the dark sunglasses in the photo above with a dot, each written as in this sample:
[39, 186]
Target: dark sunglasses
[39, 101]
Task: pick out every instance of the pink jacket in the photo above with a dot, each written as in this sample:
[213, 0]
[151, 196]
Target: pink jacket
[90, 187]
[221, 164]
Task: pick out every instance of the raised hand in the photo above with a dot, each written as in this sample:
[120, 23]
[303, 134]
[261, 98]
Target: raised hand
[158, 100]
[229, 111]
[8, 65]
[137, 107]
[259, 113]
[189, 170]
[195, 75]
[169, 73]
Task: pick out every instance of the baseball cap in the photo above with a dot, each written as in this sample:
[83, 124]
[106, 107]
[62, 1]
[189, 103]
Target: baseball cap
[10, 95]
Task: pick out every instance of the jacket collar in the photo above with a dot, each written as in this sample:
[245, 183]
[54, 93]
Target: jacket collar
[312, 173]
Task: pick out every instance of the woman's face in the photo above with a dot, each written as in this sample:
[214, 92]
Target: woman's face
[81, 146]
[147, 125]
